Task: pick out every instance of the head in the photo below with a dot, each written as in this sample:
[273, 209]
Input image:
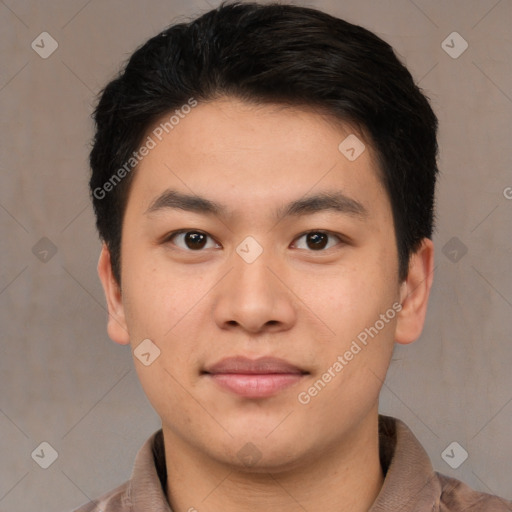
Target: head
[306, 134]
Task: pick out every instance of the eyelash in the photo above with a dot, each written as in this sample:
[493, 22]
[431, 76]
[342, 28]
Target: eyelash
[172, 235]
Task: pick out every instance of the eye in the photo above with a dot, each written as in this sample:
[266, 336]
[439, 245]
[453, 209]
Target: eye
[192, 240]
[316, 240]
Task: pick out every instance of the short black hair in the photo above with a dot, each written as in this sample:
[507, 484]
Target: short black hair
[276, 54]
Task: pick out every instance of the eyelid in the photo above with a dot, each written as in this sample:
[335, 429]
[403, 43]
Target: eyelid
[169, 236]
[341, 239]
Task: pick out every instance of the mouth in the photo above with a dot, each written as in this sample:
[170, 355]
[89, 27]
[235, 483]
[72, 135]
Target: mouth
[254, 378]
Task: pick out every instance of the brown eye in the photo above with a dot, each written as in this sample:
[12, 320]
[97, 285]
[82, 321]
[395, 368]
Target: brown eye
[192, 240]
[317, 240]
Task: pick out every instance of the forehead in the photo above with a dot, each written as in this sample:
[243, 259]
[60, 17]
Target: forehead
[239, 153]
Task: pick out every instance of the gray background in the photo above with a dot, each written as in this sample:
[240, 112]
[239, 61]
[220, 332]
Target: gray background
[64, 382]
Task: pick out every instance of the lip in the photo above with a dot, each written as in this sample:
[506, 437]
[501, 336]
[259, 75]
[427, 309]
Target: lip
[254, 378]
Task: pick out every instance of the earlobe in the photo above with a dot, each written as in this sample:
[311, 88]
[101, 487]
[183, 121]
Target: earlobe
[116, 326]
[414, 294]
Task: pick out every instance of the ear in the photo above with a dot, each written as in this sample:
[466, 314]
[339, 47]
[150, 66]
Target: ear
[116, 326]
[414, 294]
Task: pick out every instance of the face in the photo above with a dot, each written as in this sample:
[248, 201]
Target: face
[261, 264]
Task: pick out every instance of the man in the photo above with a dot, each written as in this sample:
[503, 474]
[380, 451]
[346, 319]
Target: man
[263, 180]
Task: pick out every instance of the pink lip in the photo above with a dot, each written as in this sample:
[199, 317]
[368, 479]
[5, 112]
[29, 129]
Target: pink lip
[254, 378]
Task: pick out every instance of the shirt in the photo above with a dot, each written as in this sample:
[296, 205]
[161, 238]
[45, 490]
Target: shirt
[410, 483]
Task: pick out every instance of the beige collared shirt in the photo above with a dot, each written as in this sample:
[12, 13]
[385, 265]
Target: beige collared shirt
[410, 484]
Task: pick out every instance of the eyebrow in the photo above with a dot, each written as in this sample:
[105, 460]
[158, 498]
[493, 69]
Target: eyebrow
[325, 201]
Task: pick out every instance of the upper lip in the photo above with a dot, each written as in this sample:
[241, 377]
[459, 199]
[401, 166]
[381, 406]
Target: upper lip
[262, 365]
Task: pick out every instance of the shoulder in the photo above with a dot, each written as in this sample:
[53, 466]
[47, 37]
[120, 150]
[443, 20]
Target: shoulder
[116, 500]
[456, 496]
[143, 491]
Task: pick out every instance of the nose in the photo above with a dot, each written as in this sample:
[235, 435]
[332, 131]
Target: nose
[254, 296]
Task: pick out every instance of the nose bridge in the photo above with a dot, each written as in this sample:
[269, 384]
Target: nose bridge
[252, 296]
[250, 273]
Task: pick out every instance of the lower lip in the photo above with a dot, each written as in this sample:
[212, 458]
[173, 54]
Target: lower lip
[256, 385]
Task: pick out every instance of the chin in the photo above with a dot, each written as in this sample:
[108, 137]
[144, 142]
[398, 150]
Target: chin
[263, 457]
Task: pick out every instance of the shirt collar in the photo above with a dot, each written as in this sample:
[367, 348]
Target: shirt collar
[410, 481]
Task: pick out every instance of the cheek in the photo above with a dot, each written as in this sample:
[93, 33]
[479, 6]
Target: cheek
[351, 303]
[167, 307]
[349, 298]
[154, 298]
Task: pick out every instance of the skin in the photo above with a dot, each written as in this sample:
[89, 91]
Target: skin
[293, 302]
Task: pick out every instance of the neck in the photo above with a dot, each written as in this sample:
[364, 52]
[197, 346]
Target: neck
[347, 477]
